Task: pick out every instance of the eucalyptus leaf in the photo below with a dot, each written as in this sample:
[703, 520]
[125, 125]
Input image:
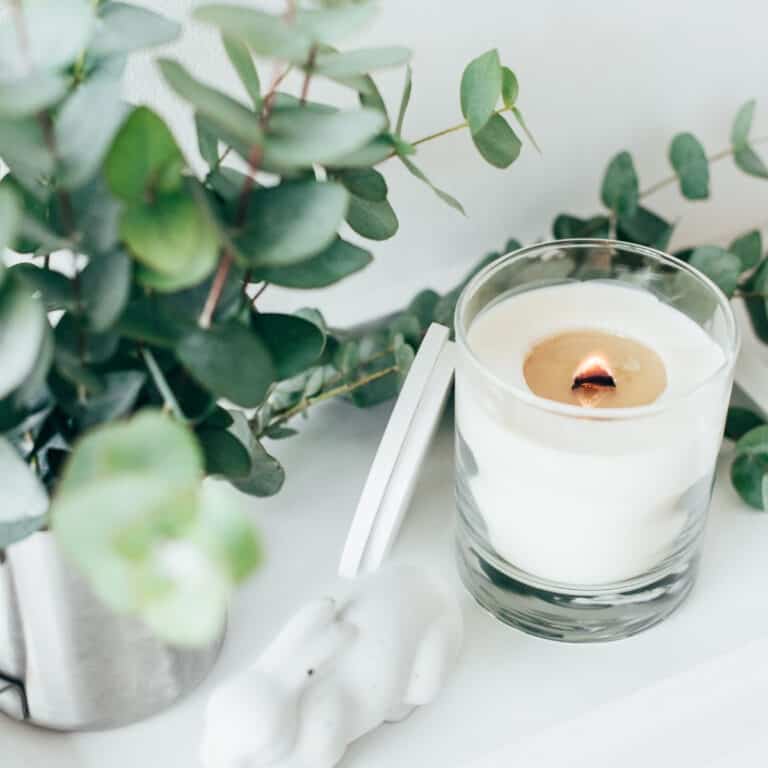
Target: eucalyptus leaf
[742, 124]
[24, 151]
[115, 400]
[213, 104]
[207, 142]
[374, 152]
[23, 326]
[740, 421]
[721, 266]
[404, 101]
[510, 89]
[224, 454]
[645, 227]
[404, 356]
[526, 130]
[376, 221]
[76, 346]
[54, 288]
[144, 158]
[749, 249]
[750, 466]
[366, 183]
[172, 239]
[211, 355]
[444, 196]
[56, 31]
[567, 226]
[31, 93]
[299, 137]
[291, 222]
[339, 260]
[331, 24]
[497, 142]
[23, 500]
[240, 58]
[620, 190]
[750, 162]
[264, 33]
[293, 342]
[122, 28]
[147, 320]
[689, 160]
[10, 219]
[371, 97]
[360, 62]
[83, 142]
[480, 90]
[105, 286]
[266, 476]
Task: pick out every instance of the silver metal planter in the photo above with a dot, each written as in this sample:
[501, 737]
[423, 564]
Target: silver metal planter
[67, 662]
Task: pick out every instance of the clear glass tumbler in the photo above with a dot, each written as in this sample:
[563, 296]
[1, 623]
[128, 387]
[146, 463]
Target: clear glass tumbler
[584, 524]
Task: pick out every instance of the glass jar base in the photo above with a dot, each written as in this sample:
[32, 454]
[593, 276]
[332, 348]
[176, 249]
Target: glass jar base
[573, 616]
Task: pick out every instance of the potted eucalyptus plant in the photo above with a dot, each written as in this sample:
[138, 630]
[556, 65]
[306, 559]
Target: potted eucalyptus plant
[138, 375]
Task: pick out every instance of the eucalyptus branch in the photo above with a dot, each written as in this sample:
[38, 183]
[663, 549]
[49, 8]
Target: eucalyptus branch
[169, 399]
[716, 157]
[255, 159]
[446, 131]
[329, 394]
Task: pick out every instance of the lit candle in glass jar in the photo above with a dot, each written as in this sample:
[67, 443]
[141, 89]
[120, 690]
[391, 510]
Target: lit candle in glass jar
[589, 415]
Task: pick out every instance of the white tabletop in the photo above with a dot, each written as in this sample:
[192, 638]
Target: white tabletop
[508, 686]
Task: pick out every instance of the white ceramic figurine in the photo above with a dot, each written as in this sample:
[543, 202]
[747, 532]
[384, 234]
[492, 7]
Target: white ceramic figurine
[342, 666]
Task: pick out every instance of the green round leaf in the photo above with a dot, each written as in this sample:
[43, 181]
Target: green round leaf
[23, 326]
[620, 190]
[750, 465]
[294, 343]
[172, 237]
[331, 24]
[10, 217]
[749, 249]
[140, 446]
[144, 157]
[497, 142]
[480, 89]
[337, 261]
[376, 221]
[721, 266]
[224, 453]
[367, 183]
[211, 356]
[690, 162]
[288, 223]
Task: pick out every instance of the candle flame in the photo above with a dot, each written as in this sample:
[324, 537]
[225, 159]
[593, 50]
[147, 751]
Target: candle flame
[593, 373]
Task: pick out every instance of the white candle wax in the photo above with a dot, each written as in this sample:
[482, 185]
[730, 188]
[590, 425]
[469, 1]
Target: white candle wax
[567, 494]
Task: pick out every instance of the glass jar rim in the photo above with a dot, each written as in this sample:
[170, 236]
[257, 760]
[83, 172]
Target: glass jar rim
[575, 411]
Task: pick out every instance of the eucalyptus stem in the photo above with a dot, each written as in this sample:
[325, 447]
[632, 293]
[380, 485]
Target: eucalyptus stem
[329, 394]
[169, 399]
[716, 157]
[446, 131]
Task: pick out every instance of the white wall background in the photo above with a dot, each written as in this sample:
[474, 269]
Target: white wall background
[596, 77]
